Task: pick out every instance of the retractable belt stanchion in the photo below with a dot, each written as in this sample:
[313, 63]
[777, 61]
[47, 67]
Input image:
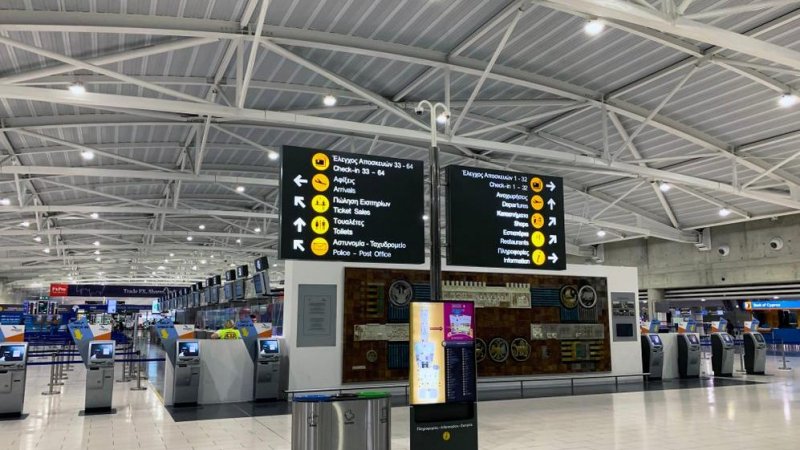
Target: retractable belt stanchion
[139, 386]
[50, 390]
[783, 357]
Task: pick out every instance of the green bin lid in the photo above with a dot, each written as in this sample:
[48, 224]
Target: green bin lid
[373, 394]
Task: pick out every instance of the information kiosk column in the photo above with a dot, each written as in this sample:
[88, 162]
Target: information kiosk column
[187, 372]
[100, 376]
[267, 370]
[688, 356]
[755, 353]
[653, 356]
[13, 365]
[722, 354]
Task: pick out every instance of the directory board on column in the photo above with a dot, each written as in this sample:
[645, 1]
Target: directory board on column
[505, 219]
[351, 207]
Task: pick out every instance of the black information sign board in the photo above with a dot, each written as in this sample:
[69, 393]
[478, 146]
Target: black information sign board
[505, 219]
[351, 207]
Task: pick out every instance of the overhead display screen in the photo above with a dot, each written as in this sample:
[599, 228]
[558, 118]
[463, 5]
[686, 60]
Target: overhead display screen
[505, 219]
[350, 207]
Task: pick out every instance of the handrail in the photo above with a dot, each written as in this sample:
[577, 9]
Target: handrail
[405, 386]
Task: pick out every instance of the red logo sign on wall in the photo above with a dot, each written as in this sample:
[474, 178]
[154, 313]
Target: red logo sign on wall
[59, 290]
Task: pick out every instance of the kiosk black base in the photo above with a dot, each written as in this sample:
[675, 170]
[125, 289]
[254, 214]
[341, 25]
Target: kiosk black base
[97, 411]
[12, 416]
[444, 426]
[187, 405]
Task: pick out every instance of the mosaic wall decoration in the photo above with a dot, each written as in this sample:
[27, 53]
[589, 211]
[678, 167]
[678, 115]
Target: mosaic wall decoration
[526, 324]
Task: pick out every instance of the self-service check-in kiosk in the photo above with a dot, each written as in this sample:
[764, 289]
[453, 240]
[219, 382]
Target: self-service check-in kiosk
[13, 365]
[688, 355]
[652, 356]
[268, 370]
[187, 372]
[755, 353]
[722, 354]
[100, 376]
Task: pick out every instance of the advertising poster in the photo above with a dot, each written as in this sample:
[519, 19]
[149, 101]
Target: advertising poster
[460, 318]
[427, 374]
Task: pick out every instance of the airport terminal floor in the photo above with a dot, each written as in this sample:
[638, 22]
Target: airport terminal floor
[761, 415]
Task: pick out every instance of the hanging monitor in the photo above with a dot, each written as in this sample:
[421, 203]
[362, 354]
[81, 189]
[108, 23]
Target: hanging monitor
[261, 264]
[242, 271]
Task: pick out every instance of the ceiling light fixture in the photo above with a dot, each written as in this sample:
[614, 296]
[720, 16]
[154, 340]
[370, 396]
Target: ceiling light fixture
[202, 227]
[77, 88]
[94, 215]
[273, 156]
[238, 241]
[189, 238]
[194, 267]
[37, 239]
[257, 230]
[724, 212]
[96, 243]
[425, 217]
[5, 202]
[97, 252]
[98, 259]
[25, 224]
[664, 186]
[442, 118]
[160, 268]
[601, 233]
[787, 100]
[88, 155]
[702, 299]
[594, 27]
[171, 255]
[46, 250]
[329, 100]
[166, 261]
[240, 189]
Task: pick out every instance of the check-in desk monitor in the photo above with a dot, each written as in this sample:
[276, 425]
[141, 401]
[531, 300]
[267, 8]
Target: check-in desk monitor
[187, 372]
[755, 353]
[653, 356]
[13, 368]
[688, 356]
[268, 368]
[722, 354]
[100, 375]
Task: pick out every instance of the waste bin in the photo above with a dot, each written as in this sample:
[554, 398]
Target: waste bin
[310, 423]
[347, 421]
[379, 423]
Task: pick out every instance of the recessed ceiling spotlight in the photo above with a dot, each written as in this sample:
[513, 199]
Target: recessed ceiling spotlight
[97, 252]
[787, 100]
[194, 267]
[96, 243]
[189, 238]
[77, 88]
[240, 189]
[601, 233]
[171, 255]
[94, 215]
[238, 241]
[203, 261]
[88, 155]
[776, 297]
[46, 250]
[25, 224]
[160, 268]
[702, 299]
[273, 156]
[257, 230]
[5, 202]
[37, 239]
[594, 27]
[98, 259]
[329, 100]
[664, 186]
[166, 261]
[724, 212]
[202, 227]
[232, 265]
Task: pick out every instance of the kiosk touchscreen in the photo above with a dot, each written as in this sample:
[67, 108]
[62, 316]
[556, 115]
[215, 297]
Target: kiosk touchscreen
[187, 372]
[755, 353]
[652, 356]
[688, 356]
[100, 376]
[13, 368]
[268, 369]
[722, 354]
